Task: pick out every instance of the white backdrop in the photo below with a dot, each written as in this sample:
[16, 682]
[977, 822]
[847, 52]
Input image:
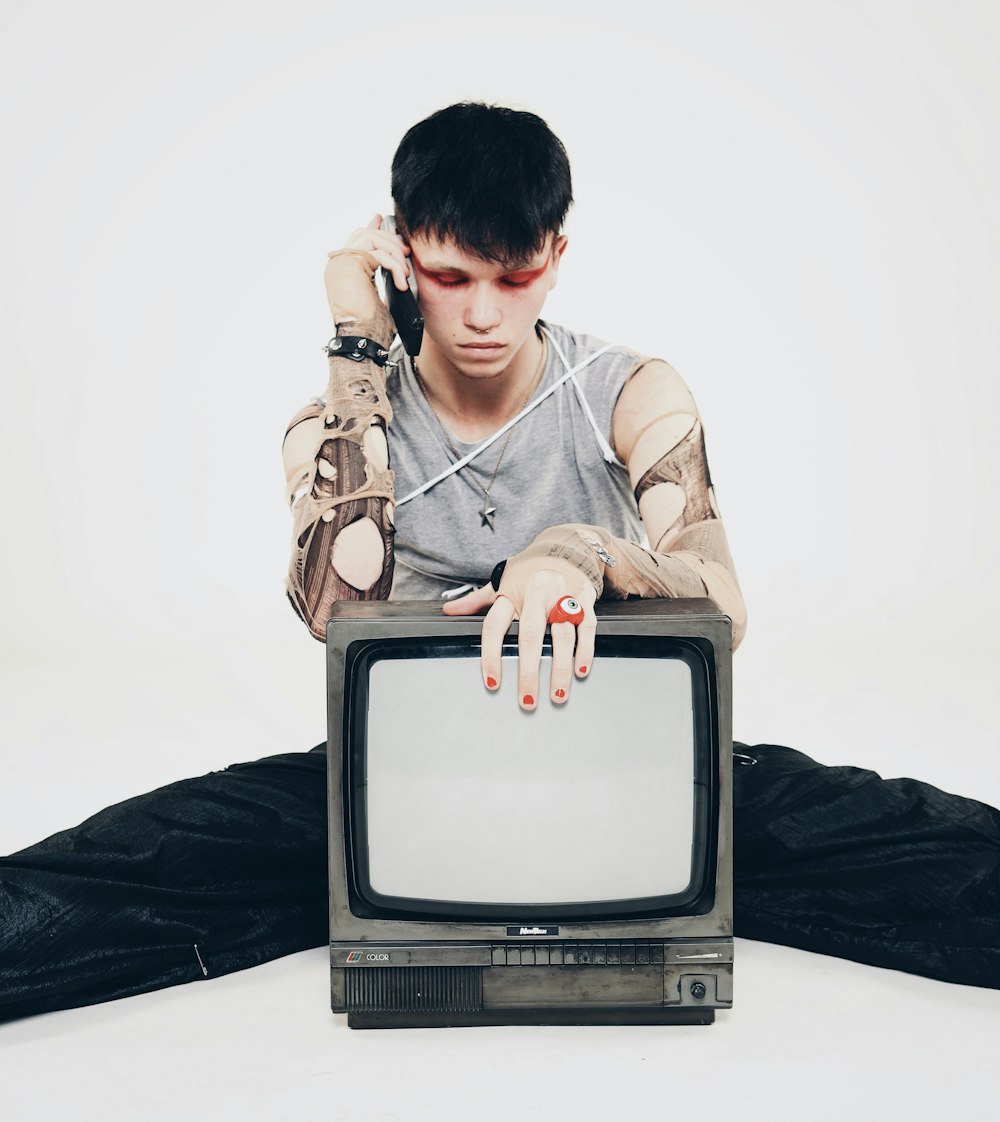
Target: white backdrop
[795, 204]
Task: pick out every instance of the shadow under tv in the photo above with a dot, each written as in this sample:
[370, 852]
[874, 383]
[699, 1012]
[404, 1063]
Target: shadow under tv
[570, 865]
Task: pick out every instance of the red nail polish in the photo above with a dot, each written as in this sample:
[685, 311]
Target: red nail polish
[528, 699]
[491, 683]
[582, 670]
[560, 693]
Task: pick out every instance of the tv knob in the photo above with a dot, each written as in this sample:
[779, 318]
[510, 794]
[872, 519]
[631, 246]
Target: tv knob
[698, 990]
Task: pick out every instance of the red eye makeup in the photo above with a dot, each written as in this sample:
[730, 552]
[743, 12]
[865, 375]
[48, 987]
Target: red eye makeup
[525, 276]
[448, 278]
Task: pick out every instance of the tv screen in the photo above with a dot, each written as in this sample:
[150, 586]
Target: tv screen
[457, 818]
[584, 808]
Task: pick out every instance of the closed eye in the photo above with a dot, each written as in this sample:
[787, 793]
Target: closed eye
[519, 278]
[457, 282]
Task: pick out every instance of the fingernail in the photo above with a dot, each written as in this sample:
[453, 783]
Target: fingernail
[560, 693]
[582, 670]
[528, 699]
[491, 683]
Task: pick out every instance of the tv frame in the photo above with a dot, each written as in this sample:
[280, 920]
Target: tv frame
[399, 969]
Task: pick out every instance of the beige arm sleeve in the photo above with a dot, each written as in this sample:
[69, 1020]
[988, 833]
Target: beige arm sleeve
[658, 433]
[338, 482]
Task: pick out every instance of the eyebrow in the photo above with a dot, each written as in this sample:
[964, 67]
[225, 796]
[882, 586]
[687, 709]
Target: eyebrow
[521, 266]
[435, 266]
[524, 265]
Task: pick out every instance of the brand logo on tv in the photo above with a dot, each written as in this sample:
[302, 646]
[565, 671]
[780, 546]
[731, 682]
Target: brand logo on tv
[532, 930]
[371, 956]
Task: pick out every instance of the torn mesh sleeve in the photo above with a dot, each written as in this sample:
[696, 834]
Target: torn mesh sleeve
[339, 489]
[699, 565]
[690, 555]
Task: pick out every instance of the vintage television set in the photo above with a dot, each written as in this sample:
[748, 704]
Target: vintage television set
[495, 866]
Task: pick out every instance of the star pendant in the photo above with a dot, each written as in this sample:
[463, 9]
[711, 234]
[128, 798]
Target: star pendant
[486, 514]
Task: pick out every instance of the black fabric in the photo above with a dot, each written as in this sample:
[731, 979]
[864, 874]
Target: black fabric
[232, 863]
[891, 872]
[215, 874]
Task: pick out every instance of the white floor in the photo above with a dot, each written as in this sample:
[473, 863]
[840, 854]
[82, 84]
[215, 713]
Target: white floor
[808, 1038]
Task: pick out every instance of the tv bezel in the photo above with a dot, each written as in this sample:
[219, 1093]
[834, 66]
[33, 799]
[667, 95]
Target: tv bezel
[356, 629]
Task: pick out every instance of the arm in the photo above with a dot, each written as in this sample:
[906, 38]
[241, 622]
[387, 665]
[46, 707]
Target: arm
[657, 432]
[336, 459]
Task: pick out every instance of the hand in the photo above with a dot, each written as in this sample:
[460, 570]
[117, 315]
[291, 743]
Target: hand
[389, 250]
[350, 281]
[529, 590]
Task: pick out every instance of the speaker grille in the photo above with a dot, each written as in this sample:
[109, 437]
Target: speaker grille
[414, 989]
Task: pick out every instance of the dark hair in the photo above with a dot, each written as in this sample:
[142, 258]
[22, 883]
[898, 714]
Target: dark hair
[494, 181]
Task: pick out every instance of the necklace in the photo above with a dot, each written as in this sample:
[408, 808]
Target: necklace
[489, 510]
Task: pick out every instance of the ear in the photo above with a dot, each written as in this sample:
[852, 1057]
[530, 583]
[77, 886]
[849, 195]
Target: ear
[558, 249]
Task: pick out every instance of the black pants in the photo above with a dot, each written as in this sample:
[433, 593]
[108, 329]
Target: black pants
[215, 874]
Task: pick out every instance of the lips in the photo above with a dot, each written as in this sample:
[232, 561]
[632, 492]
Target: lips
[482, 346]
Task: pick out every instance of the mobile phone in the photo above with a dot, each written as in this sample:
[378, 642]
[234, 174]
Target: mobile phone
[403, 306]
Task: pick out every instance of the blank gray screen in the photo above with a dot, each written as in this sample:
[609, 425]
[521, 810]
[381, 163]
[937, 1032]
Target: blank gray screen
[471, 799]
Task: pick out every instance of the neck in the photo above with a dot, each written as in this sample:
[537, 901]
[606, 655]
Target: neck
[474, 405]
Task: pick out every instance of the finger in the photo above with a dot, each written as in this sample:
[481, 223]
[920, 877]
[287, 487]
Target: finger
[495, 625]
[399, 268]
[393, 264]
[392, 238]
[397, 239]
[371, 238]
[563, 640]
[585, 635]
[472, 603]
[530, 635]
[370, 234]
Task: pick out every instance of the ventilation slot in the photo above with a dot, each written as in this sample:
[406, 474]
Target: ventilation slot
[414, 989]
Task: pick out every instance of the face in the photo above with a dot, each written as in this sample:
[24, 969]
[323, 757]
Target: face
[479, 314]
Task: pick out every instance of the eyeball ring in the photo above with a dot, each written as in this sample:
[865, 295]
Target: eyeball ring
[567, 610]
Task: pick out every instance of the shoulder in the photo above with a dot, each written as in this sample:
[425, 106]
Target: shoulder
[654, 377]
[654, 391]
[577, 346]
[644, 374]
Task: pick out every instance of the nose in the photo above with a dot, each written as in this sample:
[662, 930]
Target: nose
[482, 313]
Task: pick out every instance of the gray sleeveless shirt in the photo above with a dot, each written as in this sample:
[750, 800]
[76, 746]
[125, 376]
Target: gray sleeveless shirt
[553, 472]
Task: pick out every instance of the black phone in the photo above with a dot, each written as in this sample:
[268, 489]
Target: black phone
[403, 306]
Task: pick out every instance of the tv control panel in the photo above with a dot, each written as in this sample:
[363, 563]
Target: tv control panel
[532, 983]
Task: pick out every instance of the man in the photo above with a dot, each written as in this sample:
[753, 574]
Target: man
[481, 194]
[218, 873]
